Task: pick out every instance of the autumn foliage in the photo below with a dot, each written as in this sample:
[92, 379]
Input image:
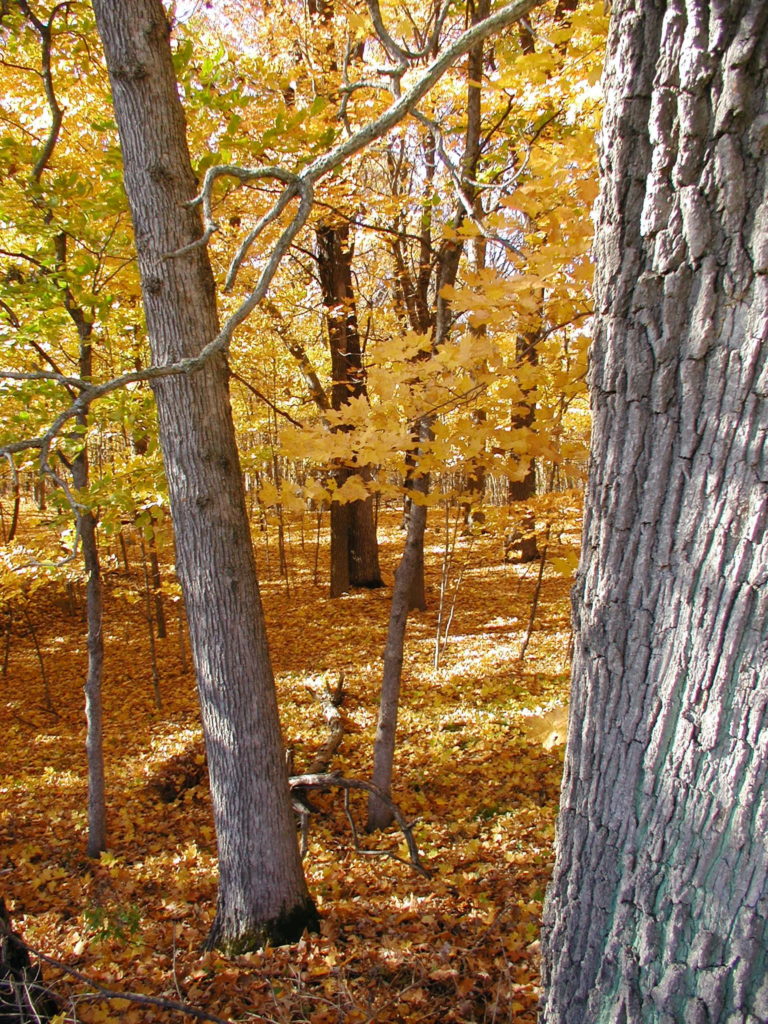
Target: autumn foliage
[423, 340]
[478, 765]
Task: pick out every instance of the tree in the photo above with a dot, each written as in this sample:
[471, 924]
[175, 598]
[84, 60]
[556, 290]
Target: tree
[354, 547]
[262, 893]
[657, 909]
[262, 890]
[67, 292]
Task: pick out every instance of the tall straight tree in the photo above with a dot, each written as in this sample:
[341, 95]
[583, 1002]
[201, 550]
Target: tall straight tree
[354, 546]
[262, 892]
[658, 910]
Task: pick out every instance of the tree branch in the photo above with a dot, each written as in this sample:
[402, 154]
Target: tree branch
[296, 184]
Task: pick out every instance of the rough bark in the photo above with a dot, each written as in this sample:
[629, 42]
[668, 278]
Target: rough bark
[354, 547]
[262, 893]
[658, 909]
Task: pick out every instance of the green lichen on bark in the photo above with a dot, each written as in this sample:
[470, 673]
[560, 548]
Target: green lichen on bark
[286, 928]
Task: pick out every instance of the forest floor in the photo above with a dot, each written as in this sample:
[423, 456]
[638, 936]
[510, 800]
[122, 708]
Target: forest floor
[478, 764]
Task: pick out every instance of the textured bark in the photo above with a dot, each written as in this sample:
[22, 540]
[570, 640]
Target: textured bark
[354, 547]
[658, 907]
[262, 893]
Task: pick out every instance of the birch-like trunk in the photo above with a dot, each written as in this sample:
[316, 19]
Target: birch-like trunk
[658, 909]
[262, 893]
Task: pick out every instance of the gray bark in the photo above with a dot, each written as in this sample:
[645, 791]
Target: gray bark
[658, 909]
[94, 606]
[379, 813]
[262, 893]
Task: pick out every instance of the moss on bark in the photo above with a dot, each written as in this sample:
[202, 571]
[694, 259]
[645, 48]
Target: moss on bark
[286, 928]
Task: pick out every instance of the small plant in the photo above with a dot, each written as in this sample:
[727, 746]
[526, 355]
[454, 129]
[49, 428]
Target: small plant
[120, 923]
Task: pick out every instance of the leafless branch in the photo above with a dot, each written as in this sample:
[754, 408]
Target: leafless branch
[44, 30]
[335, 779]
[296, 184]
[393, 48]
[59, 378]
[263, 398]
[100, 992]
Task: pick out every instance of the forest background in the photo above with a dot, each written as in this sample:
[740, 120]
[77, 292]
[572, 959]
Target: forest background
[442, 279]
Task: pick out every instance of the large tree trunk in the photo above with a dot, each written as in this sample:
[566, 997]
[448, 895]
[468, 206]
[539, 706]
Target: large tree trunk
[262, 892]
[658, 907]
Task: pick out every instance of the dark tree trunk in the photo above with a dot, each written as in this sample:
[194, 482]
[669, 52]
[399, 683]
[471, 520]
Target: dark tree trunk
[519, 491]
[262, 893]
[24, 998]
[658, 909]
[354, 548]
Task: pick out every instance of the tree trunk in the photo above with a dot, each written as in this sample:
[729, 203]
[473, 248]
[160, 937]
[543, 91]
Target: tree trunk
[94, 606]
[523, 490]
[262, 893]
[94, 601]
[340, 581]
[657, 911]
[379, 814]
[354, 547]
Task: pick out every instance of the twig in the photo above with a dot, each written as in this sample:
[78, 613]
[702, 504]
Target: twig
[295, 184]
[335, 779]
[100, 992]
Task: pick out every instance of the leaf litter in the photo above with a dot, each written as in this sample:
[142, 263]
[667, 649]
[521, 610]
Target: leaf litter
[478, 763]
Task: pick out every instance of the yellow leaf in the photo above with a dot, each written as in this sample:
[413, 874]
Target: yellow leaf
[353, 489]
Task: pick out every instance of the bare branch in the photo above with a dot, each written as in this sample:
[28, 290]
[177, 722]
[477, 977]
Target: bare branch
[335, 779]
[458, 182]
[394, 49]
[59, 378]
[44, 30]
[500, 19]
[263, 398]
[105, 993]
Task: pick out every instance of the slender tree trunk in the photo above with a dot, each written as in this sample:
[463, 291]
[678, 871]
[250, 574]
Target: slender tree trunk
[11, 535]
[94, 743]
[520, 491]
[379, 815]
[156, 582]
[94, 604]
[262, 892]
[658, 911]
[94, 612]
[409, 590]
[417, 587]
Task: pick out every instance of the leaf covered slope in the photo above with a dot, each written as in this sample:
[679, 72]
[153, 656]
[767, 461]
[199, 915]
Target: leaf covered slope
[478, 764]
